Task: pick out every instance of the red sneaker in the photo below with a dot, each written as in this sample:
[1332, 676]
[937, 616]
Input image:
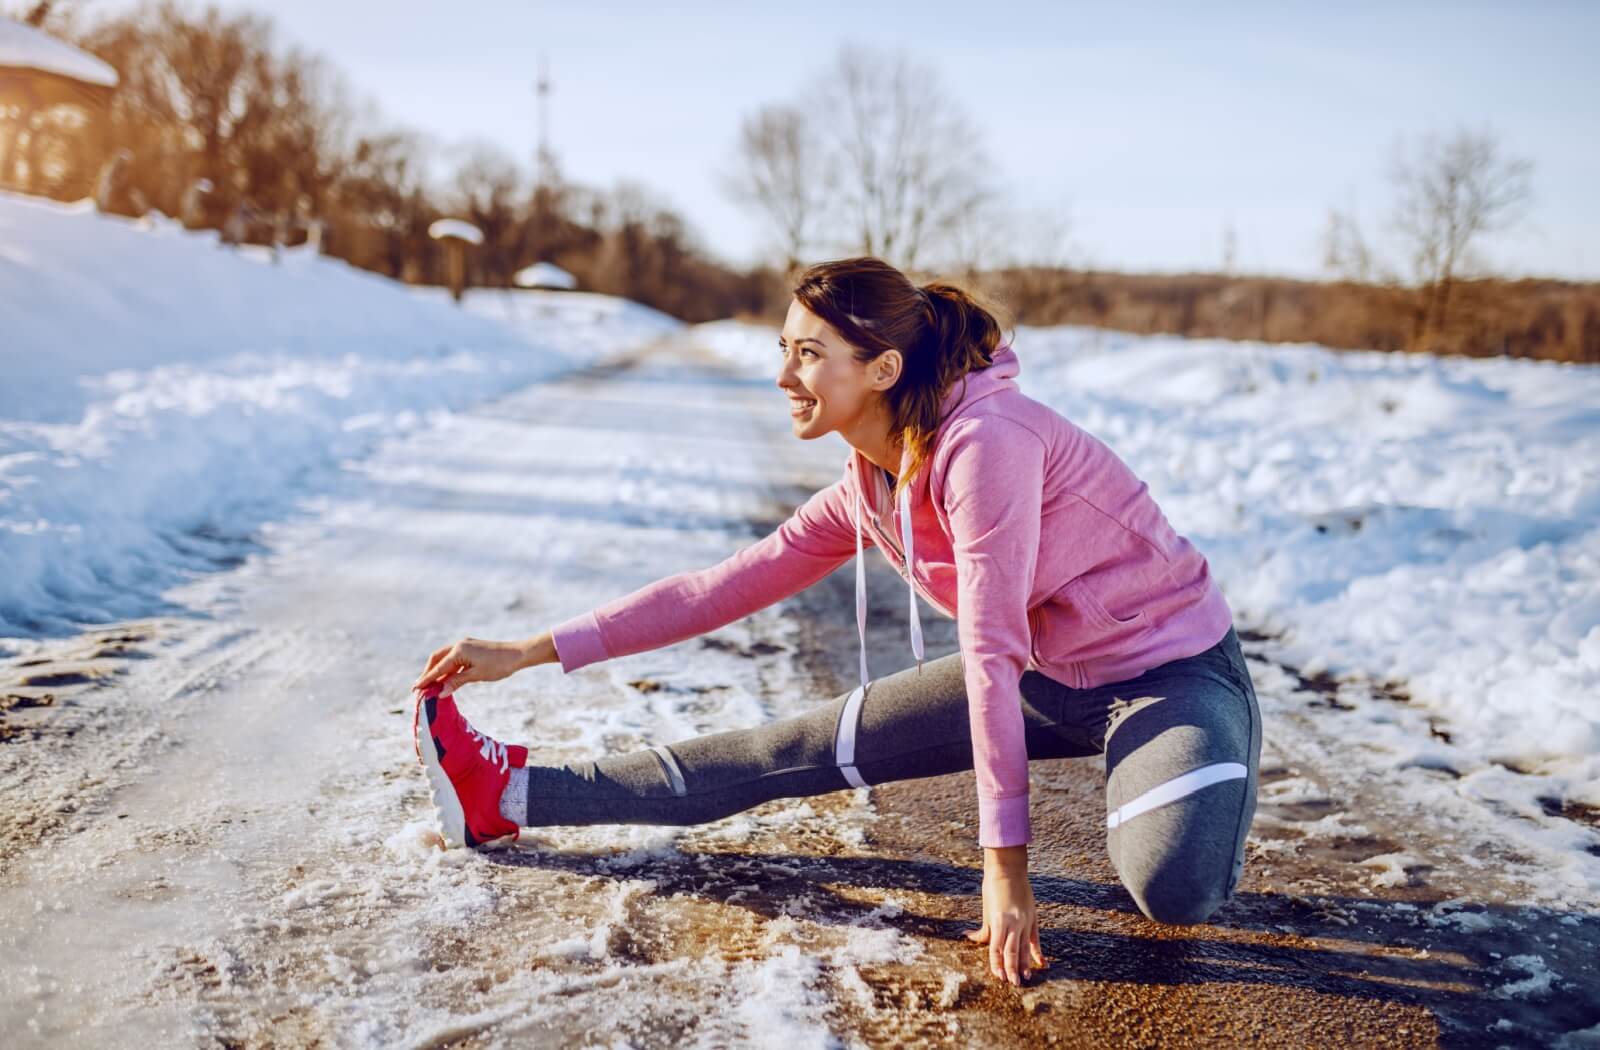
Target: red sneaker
[466, 770]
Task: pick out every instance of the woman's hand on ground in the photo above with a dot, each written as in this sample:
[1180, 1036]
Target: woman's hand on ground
[1010, 921]
[472, 660]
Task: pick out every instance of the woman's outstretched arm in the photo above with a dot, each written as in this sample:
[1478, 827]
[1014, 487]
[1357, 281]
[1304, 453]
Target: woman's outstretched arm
[816, 539]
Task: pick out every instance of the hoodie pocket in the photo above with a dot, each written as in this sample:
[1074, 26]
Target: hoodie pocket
[1084, 598]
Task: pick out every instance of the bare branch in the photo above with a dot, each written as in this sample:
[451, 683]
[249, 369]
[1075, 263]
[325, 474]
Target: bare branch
[783, 177]
[910, 163]
[1449, 193]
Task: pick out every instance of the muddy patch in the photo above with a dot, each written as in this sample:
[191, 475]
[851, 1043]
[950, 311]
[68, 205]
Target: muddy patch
[58, 674]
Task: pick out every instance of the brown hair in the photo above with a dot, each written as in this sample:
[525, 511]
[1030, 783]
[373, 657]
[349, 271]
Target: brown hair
[942, 332]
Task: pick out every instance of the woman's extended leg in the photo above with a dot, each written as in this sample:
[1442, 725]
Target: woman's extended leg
[913, 723]
[1182, 749]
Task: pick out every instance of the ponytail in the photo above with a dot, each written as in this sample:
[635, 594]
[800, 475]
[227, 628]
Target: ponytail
[942, 331]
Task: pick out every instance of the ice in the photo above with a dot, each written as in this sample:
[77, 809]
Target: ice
[1391, 868]
[1448, 913]
[778, 1000]
[950, 989]
[580, 946]
[417, 839]
[1585, 1039]
[1539, 983]
[313, 894]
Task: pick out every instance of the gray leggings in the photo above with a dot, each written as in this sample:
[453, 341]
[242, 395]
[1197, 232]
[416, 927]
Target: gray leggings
[1182, 742]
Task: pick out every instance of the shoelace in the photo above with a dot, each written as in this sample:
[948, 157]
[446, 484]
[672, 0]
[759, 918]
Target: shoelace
[491, 749]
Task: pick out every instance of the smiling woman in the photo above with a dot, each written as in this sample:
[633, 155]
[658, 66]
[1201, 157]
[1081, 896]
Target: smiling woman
[1086, 626]
[941, 331]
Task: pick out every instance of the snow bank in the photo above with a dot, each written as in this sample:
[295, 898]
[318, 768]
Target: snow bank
[1434, 522]
[163, 396]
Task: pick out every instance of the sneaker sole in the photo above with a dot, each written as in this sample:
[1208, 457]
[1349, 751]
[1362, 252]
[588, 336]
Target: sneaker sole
[446, 803]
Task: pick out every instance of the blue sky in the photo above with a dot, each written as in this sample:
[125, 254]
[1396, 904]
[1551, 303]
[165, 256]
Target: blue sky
[1152, 126]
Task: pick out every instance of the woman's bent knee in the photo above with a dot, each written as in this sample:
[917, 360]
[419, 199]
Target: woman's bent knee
[1178, 895]
[1178, 909]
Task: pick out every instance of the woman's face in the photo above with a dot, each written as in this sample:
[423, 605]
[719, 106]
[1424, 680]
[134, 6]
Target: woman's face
[827, 389]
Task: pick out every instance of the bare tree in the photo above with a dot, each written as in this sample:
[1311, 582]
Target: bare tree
[380, 191]
[878, 160]
[1447, 194]
[196, 99]
[312, 128]
[1345, 250]
[781, 175]
[55, 16]
[910, 158]
[643, 241]
[489, 190]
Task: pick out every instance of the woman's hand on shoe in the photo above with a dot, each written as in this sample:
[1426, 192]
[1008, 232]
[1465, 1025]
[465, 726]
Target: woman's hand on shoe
[1010, 919]
[472, 660]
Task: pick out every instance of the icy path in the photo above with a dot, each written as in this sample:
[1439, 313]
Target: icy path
[231, 844]
[251, 860]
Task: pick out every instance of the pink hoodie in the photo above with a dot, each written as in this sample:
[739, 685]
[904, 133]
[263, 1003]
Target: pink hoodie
[1029, 531]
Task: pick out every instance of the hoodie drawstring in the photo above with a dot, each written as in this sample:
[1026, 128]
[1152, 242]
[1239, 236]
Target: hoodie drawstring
[861, 592]
[861, 580]
[905, 535]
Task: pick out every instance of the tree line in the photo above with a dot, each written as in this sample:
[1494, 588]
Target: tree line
[217, 122]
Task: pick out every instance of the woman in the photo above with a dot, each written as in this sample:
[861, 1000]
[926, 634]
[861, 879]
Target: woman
[1086, 625]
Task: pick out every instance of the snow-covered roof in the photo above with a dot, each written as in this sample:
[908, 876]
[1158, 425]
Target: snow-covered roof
[24, 47]
[455, 228]
[544, 275]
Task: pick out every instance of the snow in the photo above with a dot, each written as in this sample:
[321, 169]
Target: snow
[271, 853]
[1391, 869]
[164, 396]
[1414, 519]
[1586, 1039]
[24, 47]
[1539, 982]
[544, 275]
[460, 229]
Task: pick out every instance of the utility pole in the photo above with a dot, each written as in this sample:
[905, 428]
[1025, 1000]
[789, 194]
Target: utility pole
[544, 162]
[543, 158]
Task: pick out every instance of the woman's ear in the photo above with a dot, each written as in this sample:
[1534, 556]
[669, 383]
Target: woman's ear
[886, 369]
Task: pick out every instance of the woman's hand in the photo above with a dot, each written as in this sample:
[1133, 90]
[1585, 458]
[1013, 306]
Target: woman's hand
[1010, 917]
[473, 660]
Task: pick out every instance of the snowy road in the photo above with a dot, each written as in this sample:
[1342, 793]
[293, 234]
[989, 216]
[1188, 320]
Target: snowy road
[249, 860]
[217, 833]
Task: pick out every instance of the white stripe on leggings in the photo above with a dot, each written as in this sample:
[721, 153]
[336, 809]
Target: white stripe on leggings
[1176, 788]
[844, 739]
[673, 772]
